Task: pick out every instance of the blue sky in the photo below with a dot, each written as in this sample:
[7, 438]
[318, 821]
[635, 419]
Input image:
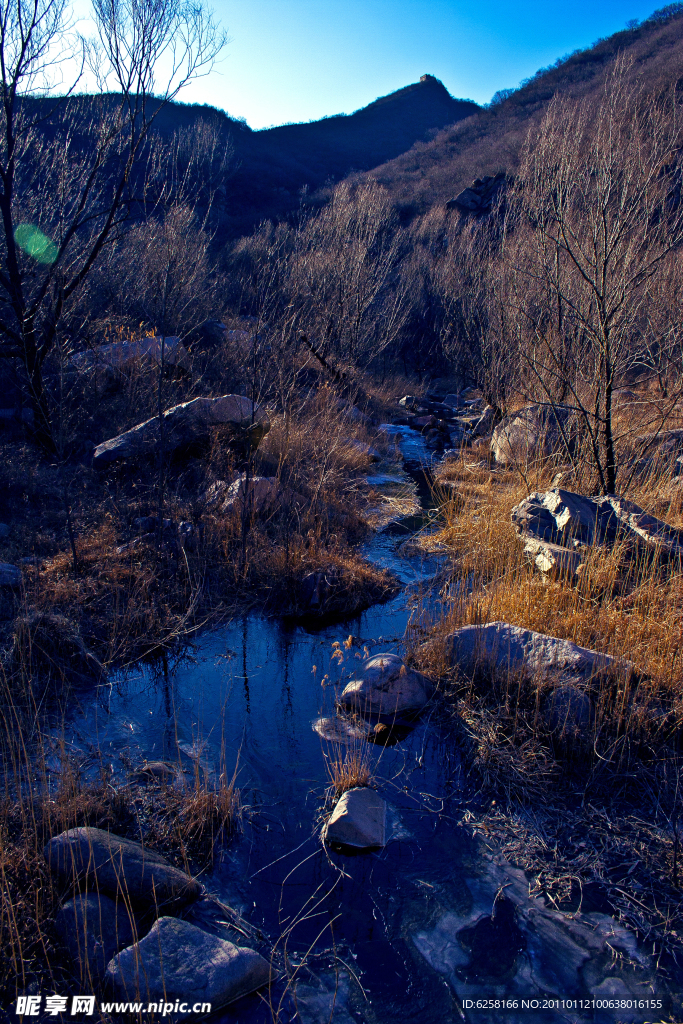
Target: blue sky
[297, 60]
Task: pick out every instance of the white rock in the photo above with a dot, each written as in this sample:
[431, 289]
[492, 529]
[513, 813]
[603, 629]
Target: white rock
[177, 960]
[502, 647]
[532, 433]
[386, 687]
[359, 819]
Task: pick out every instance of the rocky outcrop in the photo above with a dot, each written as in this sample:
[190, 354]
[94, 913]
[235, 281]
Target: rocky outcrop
[178, 961]
[358, 819]
[480, 197]
[386, 688]
[93, 928]
[186, 426]
[558, 528]
[534, 433]
[122, 354]
[500, 647]
[117, 867]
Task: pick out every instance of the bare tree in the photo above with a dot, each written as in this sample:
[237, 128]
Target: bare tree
[344, 275]
[480, 327]
[593, 219]
[71, 168]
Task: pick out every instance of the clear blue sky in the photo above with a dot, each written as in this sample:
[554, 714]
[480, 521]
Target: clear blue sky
[297, 60]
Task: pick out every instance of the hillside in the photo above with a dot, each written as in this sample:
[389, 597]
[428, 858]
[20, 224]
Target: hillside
[490, 140]
[272, 166]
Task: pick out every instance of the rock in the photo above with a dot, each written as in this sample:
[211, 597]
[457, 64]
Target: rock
[480, 196]
[387, 688]
[532, 433]
[93, 928]
[558, 526]
[4, 531]
[501, 647]
[10, 575]
[358, 819]
[484, 424]
[118, 865]
[122, 354]
[339, 730]
[567, 710]
[157, 771]
[210, 334]
[177, 960]
[553, 559]
[454, 401]
[467, 200]
[185, 426]
[352, 413]
[408, 402]
[263, 493]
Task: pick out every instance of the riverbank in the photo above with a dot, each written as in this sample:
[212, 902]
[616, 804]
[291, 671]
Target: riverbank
[478, 790]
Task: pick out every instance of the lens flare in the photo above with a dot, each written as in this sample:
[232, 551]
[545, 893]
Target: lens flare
[34, 243]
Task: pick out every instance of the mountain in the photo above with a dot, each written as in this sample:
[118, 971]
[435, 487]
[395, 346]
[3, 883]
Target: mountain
[490, 140]
[273, 166]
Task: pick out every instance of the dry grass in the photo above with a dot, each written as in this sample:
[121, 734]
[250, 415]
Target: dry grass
[348, 768]
[185, 821]
[598, 804]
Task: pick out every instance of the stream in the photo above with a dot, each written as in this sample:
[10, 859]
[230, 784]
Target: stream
[418, 931]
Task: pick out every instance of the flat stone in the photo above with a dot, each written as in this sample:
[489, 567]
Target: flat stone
[177, 960]
[93, 928]
[10, 575]
[502, 647]
[115, 865]
[386, 687]
[358, 819]
[184, 425]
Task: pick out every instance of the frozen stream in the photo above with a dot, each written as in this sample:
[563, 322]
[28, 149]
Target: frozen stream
[403, 934]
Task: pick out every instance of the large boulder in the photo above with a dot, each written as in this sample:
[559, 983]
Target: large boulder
[358, 819]
[559, 526]
[93, 928]
[118, 867]
[185, 426]
[178, 961]
[502, 648]
[532, 433]
[386, 688]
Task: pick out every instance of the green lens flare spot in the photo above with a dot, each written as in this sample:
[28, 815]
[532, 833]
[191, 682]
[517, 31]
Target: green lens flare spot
[34, 243]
